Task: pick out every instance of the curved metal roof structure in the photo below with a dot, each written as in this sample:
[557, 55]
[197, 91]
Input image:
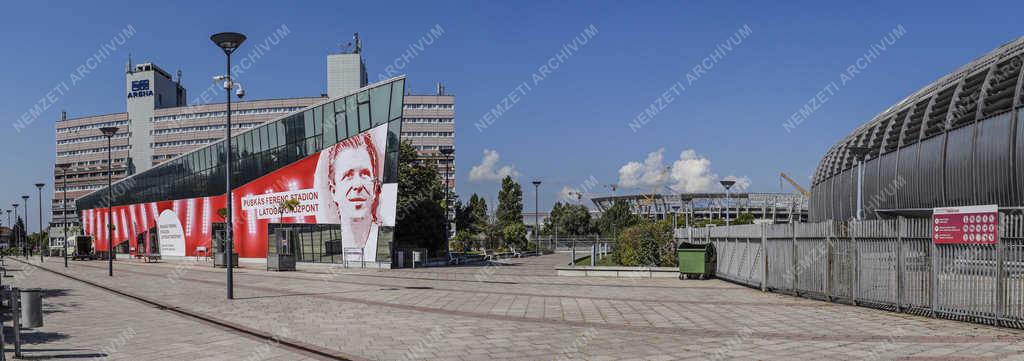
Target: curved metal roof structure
[954, 142]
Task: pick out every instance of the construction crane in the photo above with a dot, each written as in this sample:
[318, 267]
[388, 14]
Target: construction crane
[795, 184]
[649, 198]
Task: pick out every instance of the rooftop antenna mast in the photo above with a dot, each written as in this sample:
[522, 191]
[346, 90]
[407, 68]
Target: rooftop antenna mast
[358, 44]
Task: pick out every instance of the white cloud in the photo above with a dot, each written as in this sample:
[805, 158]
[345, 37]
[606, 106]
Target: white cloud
[691, 172]
[488, 169]
[646, 174]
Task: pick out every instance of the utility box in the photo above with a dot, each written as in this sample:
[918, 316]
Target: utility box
[220, 249]
[280, 254]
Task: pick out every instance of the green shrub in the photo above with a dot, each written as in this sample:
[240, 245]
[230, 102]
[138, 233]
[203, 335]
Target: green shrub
[646, 244]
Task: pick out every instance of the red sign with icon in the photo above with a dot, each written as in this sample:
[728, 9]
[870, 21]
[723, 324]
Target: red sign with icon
[966, 225]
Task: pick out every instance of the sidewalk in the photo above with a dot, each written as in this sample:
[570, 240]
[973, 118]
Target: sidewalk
[522, 311]
[82, 322]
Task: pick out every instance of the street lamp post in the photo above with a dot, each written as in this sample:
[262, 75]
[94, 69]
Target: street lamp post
[64, 207]
[228, 42]
[10, 236]
[39, 186]
[17, 239]
[24, 241]
[727, 183]
[675, 222]
[859, 153]
[536, 211]
[447, 153]
[109, 133]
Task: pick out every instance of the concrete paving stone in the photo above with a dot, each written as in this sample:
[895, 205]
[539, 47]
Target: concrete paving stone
[375, 315]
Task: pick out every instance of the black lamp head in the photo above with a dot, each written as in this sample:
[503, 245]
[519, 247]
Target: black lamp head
[109, 131]
[228, 41]
[727, 183]
[40, 185]
[447, 151]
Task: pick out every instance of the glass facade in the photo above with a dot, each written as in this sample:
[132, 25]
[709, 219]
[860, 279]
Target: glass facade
[266, 148]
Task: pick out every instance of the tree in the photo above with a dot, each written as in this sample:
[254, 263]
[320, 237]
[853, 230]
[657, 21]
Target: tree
[478, 213]
[575, 220]
[510, 206]
[18, 232]
[471, 217]
[568, 219]
[616, 219]
[420, 217]
[39, 239]
[515, 235]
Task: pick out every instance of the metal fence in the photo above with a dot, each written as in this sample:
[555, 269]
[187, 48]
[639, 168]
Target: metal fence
[570, 243]
[890, 264]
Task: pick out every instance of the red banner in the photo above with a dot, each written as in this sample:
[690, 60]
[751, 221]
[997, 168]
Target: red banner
[339, 185]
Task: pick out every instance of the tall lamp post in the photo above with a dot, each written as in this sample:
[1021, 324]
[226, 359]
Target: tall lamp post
[109, 133]
[536, 211]
[40, 186]
[727, 183]
[17, 238]
[64, 207]
[24, 241]
[675, 222]
[859, 153]
[228, 42]
[447, 153]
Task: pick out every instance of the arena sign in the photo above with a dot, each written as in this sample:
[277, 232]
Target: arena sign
[966, 225]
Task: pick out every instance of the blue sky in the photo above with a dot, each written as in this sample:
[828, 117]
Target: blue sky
[570, 127]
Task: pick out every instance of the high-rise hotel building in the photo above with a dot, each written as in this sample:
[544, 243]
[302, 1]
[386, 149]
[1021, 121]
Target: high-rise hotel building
[159, 124]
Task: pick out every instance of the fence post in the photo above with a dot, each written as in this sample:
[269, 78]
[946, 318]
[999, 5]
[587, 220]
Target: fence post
[1000, 256]
[764, 252]
[746, 251]
[829, 282]
[853, 260]
[899, 264]
[793, 253]
[934, 289]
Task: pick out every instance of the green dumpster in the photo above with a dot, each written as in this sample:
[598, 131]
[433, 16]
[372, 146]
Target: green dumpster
[696, 260]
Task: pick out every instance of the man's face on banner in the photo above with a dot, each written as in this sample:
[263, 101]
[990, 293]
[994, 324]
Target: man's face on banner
[354, 183]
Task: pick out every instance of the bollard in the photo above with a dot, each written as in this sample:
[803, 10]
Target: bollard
[31, 307]
[3, 343]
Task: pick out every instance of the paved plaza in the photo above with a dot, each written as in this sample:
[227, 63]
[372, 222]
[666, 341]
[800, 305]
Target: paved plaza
[516, 310]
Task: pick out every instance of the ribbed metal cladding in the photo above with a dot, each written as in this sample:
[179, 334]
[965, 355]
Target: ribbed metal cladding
[959, 167]
[887, 184]
[957, 141]
[994, 138]
[1017, 157]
